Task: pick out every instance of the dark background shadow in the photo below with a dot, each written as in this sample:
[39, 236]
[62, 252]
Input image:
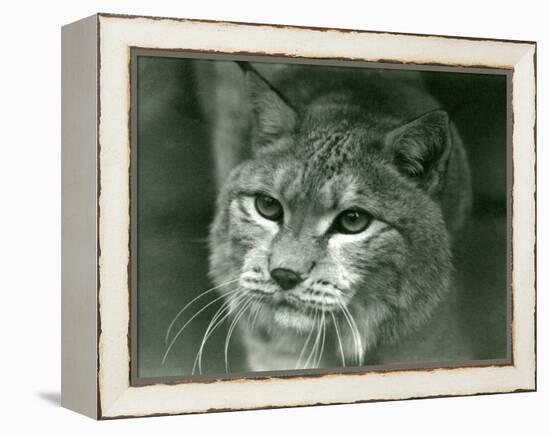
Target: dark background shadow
[52, 398]
[176, 187]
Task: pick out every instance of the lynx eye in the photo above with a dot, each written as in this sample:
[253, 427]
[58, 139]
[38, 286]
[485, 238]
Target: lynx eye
[352, 221]
[268, 207]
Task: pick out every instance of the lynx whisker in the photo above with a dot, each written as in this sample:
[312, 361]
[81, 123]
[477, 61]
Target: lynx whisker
[359, 339]
[245, 305]
[352, 330]
[184, 308]
[355, 332]
[338, 337]
[217, 320]
[315, 347]
[254, 314]
[250, 311]
[307, 339]
[321, 351]
[180, 331]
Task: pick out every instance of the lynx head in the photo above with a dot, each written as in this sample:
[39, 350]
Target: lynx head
[339, 211]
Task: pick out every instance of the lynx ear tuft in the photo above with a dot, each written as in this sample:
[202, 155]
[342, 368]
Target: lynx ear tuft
[420, 149]
[274, 117]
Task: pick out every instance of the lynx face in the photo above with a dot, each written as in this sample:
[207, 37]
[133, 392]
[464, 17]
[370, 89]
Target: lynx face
[336, 218]
[311, 241]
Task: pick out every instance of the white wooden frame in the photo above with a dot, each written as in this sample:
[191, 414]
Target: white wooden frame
[96, 219]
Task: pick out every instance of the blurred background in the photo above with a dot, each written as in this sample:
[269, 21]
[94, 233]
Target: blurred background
[177, 192]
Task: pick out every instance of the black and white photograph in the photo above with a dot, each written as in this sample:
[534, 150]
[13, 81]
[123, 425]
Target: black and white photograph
[307, 217]
[259, 216]
[285, 217]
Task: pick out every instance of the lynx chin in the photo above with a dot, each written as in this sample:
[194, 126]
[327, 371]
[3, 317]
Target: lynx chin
[341, 192]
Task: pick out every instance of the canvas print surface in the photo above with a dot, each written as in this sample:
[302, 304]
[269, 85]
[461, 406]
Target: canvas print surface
[303, 218]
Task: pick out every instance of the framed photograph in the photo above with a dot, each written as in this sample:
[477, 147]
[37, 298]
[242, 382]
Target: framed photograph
[260, 216]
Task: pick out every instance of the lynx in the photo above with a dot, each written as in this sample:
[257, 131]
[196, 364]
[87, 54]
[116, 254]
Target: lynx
[341, 193]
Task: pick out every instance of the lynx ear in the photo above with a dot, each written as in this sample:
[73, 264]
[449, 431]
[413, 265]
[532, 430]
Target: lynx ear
[420, 149]
[273, 116]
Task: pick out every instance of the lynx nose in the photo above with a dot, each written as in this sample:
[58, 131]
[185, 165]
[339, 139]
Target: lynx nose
[285, 278]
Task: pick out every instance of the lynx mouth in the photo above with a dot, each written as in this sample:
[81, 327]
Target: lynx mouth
[298, 311]
[289, 316]
[295, 302]
[292, 312]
